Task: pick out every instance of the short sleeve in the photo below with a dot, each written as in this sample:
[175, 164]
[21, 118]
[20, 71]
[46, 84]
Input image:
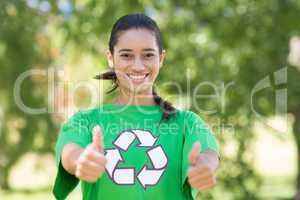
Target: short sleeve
[195, 130]
[75, 130]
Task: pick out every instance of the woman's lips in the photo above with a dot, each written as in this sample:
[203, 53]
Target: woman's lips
[137, 78]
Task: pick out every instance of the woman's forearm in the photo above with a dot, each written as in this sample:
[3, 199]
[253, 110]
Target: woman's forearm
[69, 157]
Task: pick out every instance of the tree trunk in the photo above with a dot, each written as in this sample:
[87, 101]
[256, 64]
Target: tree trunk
[4, 175]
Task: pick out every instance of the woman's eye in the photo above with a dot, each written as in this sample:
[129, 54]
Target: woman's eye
[124, 55]
[149, 55]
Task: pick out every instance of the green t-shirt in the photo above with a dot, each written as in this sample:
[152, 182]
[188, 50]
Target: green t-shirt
[146, 159]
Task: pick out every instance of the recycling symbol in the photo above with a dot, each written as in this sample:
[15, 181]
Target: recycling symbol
[126, 176]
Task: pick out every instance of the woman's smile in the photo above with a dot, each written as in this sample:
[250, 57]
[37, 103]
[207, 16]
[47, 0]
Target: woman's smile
[137, 78]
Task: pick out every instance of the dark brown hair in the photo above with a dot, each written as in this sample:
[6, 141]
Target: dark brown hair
[129, 22]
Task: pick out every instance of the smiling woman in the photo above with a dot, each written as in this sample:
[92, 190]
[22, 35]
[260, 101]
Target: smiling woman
[135, 56]
[137, 60]
[137, 159]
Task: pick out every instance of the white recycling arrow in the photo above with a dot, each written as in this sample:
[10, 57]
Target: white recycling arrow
[158, 157]
[148, 177]
[113, 157]
[124, 140]
[124, 176]
[145, 137]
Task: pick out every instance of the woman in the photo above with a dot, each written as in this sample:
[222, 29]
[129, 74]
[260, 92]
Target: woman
[139, 146]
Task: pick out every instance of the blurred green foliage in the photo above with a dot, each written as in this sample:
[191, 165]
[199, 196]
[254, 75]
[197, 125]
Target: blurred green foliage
[232, 42]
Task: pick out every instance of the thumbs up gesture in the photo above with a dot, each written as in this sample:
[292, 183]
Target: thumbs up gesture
[91, 162]
[200, 173]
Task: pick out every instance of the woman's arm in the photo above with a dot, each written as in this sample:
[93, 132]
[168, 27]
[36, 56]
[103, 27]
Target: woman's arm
[86, 164]
[69, 157]
[201, 174]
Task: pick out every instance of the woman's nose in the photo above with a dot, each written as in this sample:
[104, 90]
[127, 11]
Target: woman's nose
[138, 64]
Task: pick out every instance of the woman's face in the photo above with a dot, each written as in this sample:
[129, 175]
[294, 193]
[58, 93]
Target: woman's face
[136, 60]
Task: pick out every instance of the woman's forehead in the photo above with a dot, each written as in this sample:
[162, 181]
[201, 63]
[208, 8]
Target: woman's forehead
[136, 39]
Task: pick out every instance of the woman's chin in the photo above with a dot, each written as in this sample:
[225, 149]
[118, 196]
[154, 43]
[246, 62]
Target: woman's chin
[139, 90]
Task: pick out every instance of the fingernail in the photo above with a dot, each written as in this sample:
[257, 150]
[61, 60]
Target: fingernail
[96, 128]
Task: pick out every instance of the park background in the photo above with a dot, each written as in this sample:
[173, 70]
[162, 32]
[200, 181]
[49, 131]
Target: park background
[245, 54]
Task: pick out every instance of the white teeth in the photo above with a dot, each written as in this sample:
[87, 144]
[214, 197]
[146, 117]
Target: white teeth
[135, 77]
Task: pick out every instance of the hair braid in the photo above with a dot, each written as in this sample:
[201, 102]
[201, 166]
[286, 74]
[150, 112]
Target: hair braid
[166, 107]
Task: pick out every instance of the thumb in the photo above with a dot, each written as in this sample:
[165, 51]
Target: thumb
[98, 138]
[195, 153]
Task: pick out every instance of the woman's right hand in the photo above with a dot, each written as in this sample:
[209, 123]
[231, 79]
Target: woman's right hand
[90, 164]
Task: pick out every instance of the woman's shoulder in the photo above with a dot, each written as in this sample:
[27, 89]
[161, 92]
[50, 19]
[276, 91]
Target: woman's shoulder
[185, 113]
[189, 118]
[88, 112]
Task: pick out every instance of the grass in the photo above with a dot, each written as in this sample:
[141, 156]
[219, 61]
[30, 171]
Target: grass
[278, 188]
[274, 188]
[37, 194]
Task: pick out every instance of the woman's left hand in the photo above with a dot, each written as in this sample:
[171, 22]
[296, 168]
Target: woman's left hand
[201, 173]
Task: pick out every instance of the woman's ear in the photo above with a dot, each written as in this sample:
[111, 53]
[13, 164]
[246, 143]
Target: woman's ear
[162, 58]
[110, 59]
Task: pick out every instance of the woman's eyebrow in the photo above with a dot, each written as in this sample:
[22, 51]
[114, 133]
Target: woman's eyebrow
[126, 50]
[148, 49]
[130, 50]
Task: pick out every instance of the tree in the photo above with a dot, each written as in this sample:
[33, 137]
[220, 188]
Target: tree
[21, 50]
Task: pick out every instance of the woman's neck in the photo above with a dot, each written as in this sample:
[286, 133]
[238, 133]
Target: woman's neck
[129, 98]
